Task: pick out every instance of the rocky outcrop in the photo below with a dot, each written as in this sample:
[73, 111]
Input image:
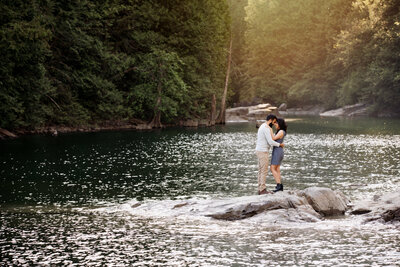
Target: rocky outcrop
[6, 134]
[282, 207]
[309, 205]
[252, 113]
[242, 208]
[304, 111]
[348, 111]
[384, 208]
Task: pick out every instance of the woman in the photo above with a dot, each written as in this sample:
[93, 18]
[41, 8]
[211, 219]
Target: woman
[277, 153]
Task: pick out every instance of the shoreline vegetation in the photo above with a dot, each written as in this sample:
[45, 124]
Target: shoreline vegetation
[255, 113]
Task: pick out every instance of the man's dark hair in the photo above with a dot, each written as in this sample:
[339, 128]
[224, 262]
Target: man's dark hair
[271, 117]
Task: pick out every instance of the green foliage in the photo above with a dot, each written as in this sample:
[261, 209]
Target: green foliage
[289, 43]
[330, 53]
[371, 56]
[86, 62]
[23, 51]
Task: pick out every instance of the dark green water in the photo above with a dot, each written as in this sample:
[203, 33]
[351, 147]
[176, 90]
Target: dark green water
[48, 184]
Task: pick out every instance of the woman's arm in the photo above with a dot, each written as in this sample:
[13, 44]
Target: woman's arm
[279, 135]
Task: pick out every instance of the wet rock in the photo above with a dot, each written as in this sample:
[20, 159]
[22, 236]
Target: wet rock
[360, 211]
[180, 205]
[384, 208]
[325, 201]
[309, 205]
[391, 215]
[136, 205]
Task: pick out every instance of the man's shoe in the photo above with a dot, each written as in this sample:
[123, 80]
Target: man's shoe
[279, 187]
[262, 192]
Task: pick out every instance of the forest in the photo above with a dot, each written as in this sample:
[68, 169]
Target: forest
[84, 62]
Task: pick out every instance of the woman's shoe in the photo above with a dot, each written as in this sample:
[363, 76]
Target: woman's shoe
[279, 187]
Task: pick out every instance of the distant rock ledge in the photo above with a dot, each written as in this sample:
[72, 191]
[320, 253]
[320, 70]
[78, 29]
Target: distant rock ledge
[259, 112]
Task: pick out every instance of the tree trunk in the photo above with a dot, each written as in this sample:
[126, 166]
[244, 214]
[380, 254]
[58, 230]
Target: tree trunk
[156, 121]
[221, 117]
[213, 110]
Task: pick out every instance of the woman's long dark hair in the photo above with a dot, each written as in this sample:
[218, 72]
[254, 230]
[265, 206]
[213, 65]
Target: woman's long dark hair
[282, 124]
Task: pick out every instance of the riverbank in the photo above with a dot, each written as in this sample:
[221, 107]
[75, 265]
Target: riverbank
[133, 124]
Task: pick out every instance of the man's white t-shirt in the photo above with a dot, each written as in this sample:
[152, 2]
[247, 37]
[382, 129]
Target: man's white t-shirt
[264, 138]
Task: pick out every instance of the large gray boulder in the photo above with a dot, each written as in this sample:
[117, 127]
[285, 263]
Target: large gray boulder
[325, 201]
[245, 207]
[310, 204]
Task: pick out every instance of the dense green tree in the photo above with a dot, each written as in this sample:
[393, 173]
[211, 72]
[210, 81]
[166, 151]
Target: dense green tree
[89, 62]
[369, 51]
[24, 50]
[288, 47]
[330, 53]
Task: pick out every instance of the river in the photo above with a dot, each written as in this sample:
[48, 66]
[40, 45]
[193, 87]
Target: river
[72, 199]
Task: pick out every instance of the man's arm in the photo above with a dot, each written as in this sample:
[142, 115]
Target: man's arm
[269, 138]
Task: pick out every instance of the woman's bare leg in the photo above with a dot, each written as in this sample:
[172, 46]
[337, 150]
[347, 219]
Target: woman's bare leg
[275, 173]
[278, 171]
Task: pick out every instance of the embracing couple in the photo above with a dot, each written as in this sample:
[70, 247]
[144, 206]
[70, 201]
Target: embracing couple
[265, 139]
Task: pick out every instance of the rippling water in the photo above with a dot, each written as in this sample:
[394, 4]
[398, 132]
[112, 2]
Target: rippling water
[68, 199]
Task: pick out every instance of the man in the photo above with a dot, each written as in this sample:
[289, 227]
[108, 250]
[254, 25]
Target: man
[264, 143]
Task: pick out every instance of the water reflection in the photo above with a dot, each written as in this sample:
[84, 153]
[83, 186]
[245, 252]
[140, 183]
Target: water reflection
[123, 239]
